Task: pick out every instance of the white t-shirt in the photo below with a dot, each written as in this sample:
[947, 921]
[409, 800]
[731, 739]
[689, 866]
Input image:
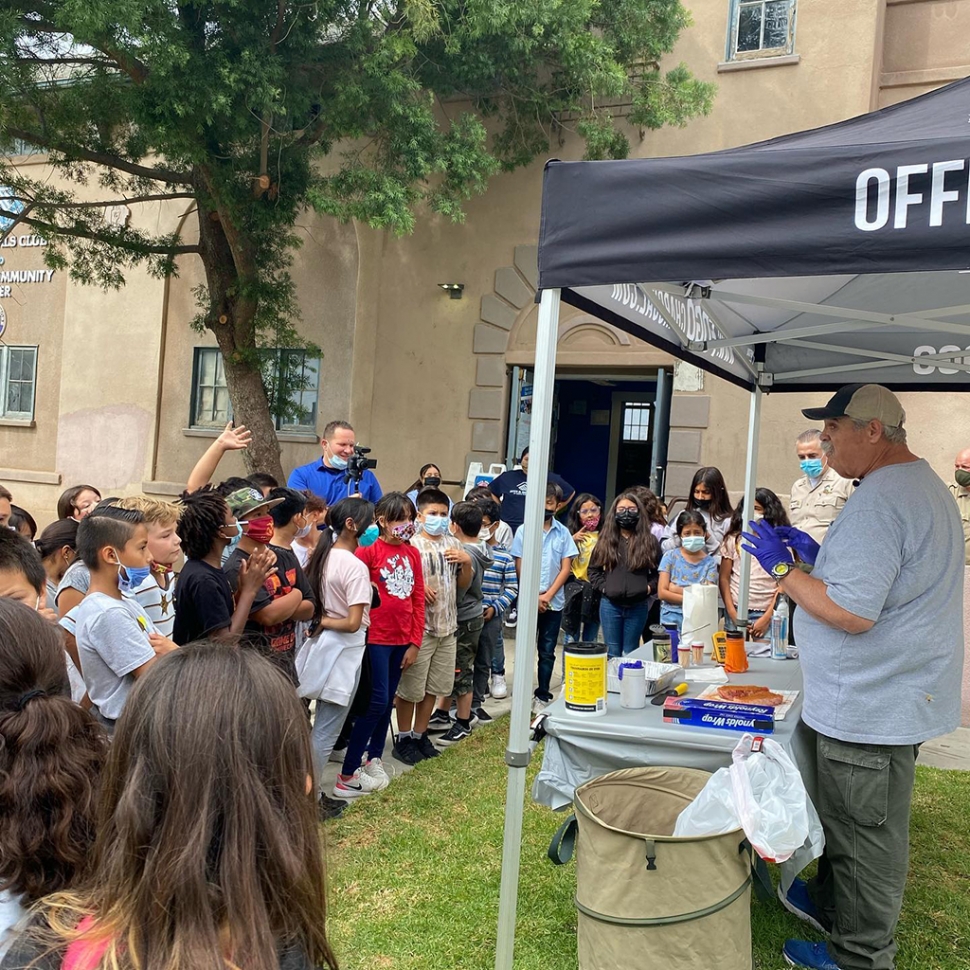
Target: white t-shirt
[112, 641]
[895, 556]
[346, 583]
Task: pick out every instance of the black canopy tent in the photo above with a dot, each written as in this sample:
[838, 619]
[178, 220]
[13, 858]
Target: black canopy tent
[827, 257]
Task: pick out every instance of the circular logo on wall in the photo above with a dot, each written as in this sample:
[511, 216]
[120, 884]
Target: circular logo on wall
[9, 207]
[3, 320]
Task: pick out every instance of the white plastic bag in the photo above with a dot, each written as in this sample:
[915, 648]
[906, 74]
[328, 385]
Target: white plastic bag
[327, 664]
[700, 615]
[763, 793]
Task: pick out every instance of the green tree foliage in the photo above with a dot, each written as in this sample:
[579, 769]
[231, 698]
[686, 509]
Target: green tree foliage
[248, 112]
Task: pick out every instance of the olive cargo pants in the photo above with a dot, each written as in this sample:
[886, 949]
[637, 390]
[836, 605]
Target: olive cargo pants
[863, 794]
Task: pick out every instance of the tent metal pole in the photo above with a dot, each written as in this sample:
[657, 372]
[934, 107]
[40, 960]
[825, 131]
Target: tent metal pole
[518, 754]
[914, 320]
[750, 485]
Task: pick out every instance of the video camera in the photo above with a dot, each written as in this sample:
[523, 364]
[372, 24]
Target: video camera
[358, 463]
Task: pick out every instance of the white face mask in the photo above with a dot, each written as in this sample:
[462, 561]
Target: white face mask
[303, 532]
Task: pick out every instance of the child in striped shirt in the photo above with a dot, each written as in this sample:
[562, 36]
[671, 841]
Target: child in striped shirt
[156, 594]
[500, 586]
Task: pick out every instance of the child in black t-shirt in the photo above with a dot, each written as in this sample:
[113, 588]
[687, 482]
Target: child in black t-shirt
[285, 598]
[204, 602]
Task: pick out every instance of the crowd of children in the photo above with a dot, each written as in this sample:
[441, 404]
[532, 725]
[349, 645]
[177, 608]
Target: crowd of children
[368, 614]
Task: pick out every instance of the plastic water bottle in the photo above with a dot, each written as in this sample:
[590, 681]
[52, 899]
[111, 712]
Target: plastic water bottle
[779, 630]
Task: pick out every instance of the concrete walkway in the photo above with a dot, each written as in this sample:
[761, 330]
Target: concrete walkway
[951, 751]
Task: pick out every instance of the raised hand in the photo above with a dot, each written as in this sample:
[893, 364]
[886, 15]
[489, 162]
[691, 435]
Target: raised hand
[235, 439]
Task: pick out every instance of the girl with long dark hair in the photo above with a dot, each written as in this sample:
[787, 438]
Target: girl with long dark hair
[428, 477]
[395, 633]
[763, 593]
[335, 651]
[208, 849]
[581, 614]
[51, 755]
[623, 568]
[709, 498]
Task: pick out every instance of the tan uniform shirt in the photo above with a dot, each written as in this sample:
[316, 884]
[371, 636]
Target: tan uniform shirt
[962, 497]
[813, 510]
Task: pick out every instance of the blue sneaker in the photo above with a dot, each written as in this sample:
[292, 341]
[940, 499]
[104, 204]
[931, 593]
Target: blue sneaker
[812, 956]
[798, 902]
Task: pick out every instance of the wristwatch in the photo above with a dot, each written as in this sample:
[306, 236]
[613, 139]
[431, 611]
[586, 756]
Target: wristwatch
[782, 569]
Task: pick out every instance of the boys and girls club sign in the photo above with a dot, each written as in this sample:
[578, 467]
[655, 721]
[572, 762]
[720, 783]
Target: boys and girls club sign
[12, 279]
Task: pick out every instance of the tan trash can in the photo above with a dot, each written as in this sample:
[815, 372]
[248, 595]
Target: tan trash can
[646, 900]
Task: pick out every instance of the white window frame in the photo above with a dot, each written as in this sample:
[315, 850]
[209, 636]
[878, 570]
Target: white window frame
[281, 426]
[733, 54]
[5, 350]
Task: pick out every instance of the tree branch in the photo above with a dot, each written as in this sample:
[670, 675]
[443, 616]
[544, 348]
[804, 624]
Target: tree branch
[160, 197]
[142, 249]
[171, 176]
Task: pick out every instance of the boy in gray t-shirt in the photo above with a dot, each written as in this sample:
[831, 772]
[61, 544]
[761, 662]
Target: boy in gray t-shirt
[116, 640]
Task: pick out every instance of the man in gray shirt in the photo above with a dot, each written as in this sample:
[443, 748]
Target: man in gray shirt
[881, 642]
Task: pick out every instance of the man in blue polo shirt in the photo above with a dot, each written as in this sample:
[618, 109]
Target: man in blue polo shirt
[327, 477]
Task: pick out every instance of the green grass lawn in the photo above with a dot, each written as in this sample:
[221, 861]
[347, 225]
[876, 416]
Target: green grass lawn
[414, 874]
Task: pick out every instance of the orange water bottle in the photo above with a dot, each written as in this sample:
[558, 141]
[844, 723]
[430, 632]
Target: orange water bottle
[736, 661]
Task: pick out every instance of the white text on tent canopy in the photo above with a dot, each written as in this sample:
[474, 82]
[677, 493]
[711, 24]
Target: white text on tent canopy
[876, 189]
[689, 315]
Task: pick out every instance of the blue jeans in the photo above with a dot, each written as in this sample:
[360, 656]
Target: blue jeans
[370, 729]
[548, 637]
[589, 631]
[491, 636]
[752, 616]
[622, 626]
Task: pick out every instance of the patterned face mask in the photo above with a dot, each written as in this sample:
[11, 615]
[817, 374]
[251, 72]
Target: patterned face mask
[405, 532]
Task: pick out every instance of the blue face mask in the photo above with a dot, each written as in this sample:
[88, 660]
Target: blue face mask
[369, 536]
[233, 542]
[131, 577]
[337, 462]
[693, 543]
[812, 467]
[435, 525]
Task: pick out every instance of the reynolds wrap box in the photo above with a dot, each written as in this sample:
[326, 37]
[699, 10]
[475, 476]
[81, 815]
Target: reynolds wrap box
[723, 715]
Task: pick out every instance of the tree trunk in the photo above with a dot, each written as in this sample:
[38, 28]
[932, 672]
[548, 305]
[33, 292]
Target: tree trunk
[250, 407]
[231, 318]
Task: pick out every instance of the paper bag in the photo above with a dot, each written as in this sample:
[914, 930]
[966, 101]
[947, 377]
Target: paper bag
[700, 615]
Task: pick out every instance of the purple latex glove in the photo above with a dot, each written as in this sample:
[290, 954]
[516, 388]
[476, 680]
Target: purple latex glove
[806, 547]
[766, 545]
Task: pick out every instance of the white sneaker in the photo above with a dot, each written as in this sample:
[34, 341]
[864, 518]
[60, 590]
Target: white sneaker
[499, 687]
[538, 706]
[375, 769]
[359, 783]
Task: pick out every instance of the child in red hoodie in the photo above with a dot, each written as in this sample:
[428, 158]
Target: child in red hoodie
[396, 626]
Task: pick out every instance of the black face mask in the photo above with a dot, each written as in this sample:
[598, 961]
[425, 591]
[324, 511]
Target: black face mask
[703, 503]
[432, 482]
[627, 518]
[549, 513]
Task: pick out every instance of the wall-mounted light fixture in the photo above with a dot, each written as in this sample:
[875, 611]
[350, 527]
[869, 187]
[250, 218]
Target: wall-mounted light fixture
[453, 290]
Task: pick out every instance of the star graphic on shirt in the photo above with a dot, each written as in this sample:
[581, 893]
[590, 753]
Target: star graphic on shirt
[166, 603]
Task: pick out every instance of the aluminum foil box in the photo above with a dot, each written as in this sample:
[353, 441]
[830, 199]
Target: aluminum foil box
[722, 715]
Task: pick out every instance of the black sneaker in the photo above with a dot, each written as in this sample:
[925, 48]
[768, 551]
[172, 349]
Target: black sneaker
[512, 617]
[482, 715]
[439, 721]
[407, 751]
[328, 808]
[457, 732]
[425, 747]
